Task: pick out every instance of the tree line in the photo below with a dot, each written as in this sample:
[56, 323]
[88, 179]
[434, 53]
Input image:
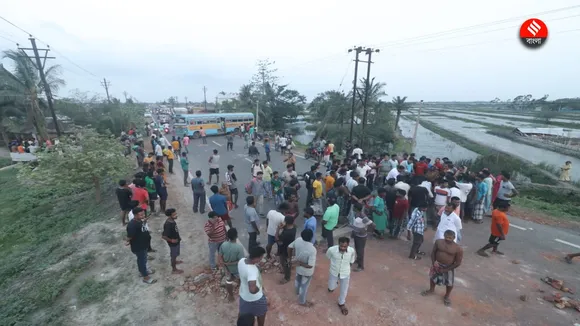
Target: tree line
[329, 114]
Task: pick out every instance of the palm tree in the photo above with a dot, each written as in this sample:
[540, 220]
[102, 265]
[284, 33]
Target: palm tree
[10, 118]
[400, 105]
[23, 84]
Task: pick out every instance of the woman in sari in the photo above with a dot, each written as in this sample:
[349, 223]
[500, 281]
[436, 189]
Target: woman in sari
[565, 172]
[380, 213]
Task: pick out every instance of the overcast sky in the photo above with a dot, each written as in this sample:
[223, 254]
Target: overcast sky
[154, 50]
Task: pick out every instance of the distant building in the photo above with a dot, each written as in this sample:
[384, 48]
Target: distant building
[571, 136]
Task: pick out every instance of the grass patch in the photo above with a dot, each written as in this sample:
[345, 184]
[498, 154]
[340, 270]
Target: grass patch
[557, 204]
[91, 291]
[5, 161]
[36, 264]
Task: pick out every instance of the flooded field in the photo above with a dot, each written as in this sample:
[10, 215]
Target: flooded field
[531, 119]
[477, 133]
[432, 145]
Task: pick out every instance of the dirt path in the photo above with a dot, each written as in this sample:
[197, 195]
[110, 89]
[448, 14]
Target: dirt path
[132, 302]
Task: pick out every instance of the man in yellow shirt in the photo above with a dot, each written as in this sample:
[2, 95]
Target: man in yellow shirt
[147, 161]
[175, 145]
[317, 195]
[329, 181]
[330, 146]
[170, 157]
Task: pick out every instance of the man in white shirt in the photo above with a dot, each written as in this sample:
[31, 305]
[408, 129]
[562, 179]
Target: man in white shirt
[341, 257]
[283, 143]
[449, 221]
[305, 262]
[465, 189]
[273, 219]
[252, 299]
[357, 151]
[352, 181]
[158, 151]
[362, 168]
[394, 173]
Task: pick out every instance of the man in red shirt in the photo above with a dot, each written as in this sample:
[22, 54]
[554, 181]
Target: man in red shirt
[215, 229]
[400, 213]
[421, 166]
[438, 164]
[140, 194]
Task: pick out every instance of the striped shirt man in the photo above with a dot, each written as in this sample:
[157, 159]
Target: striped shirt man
[417, 222]
[216, 231]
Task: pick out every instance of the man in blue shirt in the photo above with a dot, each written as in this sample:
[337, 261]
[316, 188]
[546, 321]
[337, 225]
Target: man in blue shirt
[267, 149]
[219, 205]
[310, 222]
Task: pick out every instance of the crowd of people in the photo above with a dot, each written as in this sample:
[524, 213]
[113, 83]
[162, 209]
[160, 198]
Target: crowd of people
[385, 196]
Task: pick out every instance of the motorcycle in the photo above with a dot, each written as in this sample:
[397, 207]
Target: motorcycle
[311, 153]
[166, 130]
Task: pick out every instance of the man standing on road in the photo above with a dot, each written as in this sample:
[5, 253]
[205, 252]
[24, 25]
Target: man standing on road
[186, 142]
[232, 180]
[258, 191]
[446, 256]
[171, 235]
[185, 167]
[282, 141]
[267, 149]
[216, 234]
[203, 135]
[170, 157]
[230, 142]
[214, 167]
[198, 187]
[273, 220]
[449, 221]
[417, 225]
[309, 178]
[267, 179]
[138, 238]
[506, 191]
[230, 254]
[330, 220]
[252, 220]
[305, 262]
[219, 204]
[341, 257]
[253, 301]
[499, 229]
[310, 222]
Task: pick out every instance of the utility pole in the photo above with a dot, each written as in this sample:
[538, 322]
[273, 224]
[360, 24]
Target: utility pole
[417, 125]
[106, 85]
[186, 102]
[357, 50]
[204, 98]
[40, 67]
[369, 53]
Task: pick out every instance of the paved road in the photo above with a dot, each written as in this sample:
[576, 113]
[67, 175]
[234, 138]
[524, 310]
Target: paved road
[199, 154]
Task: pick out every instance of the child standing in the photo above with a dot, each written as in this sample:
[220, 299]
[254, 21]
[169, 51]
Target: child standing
[277, 188]
[171, 235]
[400, 210]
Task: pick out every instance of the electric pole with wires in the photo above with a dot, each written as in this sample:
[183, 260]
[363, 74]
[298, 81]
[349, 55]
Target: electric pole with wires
[106, 85]
[356, 92]
[39, 65]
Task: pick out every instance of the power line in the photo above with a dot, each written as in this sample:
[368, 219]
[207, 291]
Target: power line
[7, 39]
[449, 32]
[497, 22]
[52, 48]
[471, 34]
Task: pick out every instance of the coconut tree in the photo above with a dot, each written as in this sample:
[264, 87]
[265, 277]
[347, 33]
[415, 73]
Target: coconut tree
[399, 104]
[11, 117]
[24, 84]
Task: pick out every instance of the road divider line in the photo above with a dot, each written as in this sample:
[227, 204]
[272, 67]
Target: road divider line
[247, 159]
[567, 243]
[518, 227]
[215, 142]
